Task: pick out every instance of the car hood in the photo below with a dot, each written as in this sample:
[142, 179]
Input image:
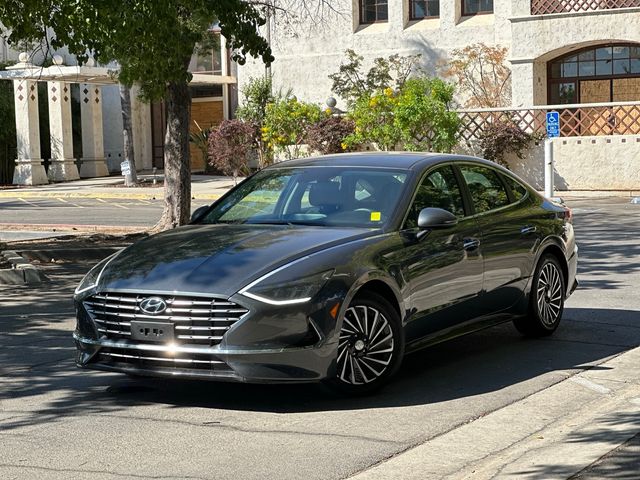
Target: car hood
[216, 259]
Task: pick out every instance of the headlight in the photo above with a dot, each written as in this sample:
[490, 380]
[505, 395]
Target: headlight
[92, 278]
[286, 291]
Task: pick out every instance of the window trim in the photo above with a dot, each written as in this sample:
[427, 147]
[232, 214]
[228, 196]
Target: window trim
[481, 12]
[361, 20]
[417, 19]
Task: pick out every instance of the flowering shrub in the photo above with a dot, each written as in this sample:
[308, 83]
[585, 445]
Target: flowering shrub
[286, 123]
[328, 135]
[417, 117]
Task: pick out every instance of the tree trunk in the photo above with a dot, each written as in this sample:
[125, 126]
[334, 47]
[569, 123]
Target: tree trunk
[177, 165]
[127, 133]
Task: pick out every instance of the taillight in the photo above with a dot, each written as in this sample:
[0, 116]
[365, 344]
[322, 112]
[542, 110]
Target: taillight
[568, 215]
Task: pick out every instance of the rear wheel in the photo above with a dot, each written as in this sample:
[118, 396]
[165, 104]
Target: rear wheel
[546, 302]
[370, 347]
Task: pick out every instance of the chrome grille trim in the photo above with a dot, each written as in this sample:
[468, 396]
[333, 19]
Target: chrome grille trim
[113, 312]
[161, 359]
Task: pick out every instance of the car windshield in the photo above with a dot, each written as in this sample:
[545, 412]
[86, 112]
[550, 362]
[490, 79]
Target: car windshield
[328, 196]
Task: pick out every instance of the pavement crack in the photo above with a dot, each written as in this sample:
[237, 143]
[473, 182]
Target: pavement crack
[115, 474]
[252, 430]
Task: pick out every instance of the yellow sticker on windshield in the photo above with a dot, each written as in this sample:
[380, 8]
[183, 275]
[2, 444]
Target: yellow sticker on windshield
[375, 216]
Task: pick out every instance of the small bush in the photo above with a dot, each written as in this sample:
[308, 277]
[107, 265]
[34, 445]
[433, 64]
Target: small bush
[328, 135]
[229, 145]
[502, 137]
[286, 123]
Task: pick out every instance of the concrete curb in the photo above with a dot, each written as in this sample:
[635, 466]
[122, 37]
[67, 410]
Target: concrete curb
[21, 273]
[43, 227]
[567, 428]
[158, 195]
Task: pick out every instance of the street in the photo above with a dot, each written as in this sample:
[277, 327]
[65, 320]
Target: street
[58, 421]
[84, 211]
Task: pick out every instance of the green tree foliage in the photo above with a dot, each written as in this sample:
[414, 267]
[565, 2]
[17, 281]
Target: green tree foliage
[257, 95]
[286, 123]
[153, 41]
[417, 118]
[423, 117]
[351, 82]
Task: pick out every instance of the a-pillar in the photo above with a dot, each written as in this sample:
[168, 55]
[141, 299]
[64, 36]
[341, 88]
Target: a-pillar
[29, 169]
[62, 165]
[93, 162]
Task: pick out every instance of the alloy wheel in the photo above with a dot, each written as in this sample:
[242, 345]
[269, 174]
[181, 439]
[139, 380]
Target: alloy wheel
[549, 294]
[366, 345]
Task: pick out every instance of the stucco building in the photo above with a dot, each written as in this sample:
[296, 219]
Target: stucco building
[596, 41]
[580, 57]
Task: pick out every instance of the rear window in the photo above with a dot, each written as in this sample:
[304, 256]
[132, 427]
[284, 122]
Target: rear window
[517, 189]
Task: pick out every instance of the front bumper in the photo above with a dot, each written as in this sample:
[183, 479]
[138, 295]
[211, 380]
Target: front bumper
[284, 365]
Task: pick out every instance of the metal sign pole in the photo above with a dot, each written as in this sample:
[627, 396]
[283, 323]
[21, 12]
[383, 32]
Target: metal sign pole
[553, 130]
[548, 167]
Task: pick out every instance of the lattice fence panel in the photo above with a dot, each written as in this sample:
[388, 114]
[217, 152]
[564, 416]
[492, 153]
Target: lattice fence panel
[574, 122]
[541, 7]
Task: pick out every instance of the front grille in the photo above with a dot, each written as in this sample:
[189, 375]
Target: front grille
[157, 360]
[198, 320]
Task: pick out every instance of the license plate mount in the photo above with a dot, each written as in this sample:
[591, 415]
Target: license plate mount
[160, 332]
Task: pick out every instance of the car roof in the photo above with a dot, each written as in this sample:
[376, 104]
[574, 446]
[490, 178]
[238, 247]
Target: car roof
[400, 160]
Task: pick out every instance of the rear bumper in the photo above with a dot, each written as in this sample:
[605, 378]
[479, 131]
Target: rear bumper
[285, 365]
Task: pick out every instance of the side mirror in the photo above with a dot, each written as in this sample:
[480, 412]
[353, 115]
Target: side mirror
[430, 218]
[199, 213]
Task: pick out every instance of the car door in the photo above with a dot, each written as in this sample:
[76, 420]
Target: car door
[443, 268]
[508, 238]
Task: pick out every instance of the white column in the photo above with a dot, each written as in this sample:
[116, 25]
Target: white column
[93, 161]
[224, 64]
[63, 167]
[522, 84]
[141, 126]
[29, 168]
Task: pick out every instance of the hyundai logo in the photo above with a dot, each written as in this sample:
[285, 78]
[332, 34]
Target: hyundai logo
[153, 305]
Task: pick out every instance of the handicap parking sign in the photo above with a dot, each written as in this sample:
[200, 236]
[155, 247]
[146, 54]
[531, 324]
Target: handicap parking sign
[553, 124]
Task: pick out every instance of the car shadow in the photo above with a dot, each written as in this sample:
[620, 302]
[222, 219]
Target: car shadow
[478, 364]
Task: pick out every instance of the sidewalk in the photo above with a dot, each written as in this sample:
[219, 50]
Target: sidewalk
[569, 427]
[203, 187]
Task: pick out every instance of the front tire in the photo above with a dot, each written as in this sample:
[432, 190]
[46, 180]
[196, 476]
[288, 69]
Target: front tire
[546, 300]
[370, 347]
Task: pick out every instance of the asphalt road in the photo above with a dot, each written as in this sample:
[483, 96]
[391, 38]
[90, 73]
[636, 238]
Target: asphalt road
[60, 422]
[83, 211]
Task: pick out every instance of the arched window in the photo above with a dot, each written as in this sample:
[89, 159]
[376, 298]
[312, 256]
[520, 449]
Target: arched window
[600, 74]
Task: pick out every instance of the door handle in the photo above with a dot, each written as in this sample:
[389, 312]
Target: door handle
[528, 229]
[470, 243]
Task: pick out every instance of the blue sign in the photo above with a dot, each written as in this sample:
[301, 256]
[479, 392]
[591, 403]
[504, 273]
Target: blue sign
[553, 124]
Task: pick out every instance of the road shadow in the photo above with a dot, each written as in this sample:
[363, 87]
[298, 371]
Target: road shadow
[478, 364]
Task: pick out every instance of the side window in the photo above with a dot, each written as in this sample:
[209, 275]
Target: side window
[439, 190]
[487, 191]
[517, 189]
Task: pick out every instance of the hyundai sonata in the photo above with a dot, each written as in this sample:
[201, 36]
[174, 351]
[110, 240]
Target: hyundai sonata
[331, 269]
